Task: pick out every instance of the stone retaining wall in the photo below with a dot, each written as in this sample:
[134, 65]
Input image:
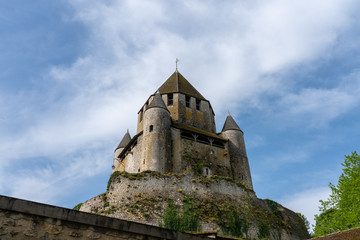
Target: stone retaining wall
[351, 234]
[21, 219]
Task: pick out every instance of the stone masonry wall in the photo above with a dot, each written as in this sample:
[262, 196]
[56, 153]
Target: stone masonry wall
[351, 234]
[144, 197]
[21, 219]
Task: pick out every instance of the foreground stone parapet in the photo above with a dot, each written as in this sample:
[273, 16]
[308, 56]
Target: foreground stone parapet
[351, 234]
[21, 219]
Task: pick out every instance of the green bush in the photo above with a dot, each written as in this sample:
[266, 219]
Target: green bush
[199, 167]
[171, 217]
[274, 206]
[235, 225]
[112, 176]
[264, 230]
[187, 221]
[77, 207]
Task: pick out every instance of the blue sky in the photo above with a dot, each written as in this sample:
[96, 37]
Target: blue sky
[73, 75]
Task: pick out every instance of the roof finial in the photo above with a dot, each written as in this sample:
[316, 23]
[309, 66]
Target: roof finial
[229, 113]
[176, 62]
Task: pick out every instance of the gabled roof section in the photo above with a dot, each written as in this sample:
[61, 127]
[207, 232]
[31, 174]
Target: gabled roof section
[157, 102]
[126, 139]
[230, 124]
[176, 83]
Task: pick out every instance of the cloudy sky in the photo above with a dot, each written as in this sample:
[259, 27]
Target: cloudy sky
[73, 75]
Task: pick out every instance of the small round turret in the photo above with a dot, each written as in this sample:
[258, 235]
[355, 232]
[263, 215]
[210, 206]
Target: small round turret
[125, 140]
[156, 137]
[237, 151]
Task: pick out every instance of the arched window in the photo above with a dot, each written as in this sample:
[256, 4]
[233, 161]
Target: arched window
[151, 128]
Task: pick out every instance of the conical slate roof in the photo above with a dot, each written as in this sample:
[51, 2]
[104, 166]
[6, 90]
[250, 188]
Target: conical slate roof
[176, 83]
[126, 139]
[230, 124]
[157, 102]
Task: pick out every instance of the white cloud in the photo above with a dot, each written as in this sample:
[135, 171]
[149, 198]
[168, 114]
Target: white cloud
[284, 33]
[316, 107]
[57, 179]
[227, 50]
[306, 202]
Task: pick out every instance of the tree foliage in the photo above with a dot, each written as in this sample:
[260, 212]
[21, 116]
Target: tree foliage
[342, 210]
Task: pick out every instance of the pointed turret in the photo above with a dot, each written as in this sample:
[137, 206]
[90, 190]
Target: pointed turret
[237, 151]
[123, 143]
[125, 140]
[230, 124]
[157, 102]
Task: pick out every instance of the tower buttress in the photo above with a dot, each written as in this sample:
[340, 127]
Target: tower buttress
[156, 151]
[237, 150]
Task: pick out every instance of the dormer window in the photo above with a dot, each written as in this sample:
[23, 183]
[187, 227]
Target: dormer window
[187, 101]
[198, 101]
[170, 99]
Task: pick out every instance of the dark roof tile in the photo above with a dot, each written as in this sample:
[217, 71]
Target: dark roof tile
[126, 139]
[230, 124]
[176, 83]
[157, 102]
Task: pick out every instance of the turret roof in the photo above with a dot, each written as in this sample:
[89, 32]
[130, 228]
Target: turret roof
[176, 83]
[157, 102]
[230, 124]
[126, 139]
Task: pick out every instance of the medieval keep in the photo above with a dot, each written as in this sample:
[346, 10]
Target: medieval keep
[177, 162]
[176, 133]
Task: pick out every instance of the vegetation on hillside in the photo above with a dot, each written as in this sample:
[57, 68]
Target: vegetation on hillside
[306, 222]
[186, 221]
[77, 207]
[342, 210]
[188, 210]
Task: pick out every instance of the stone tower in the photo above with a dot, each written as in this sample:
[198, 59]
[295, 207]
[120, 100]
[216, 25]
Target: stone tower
[156, 137]
[176, 156]
[176, 132]
[237, 150]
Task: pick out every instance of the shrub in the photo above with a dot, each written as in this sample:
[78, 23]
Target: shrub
[112, 176]
[187, 221]
[263, 230]
[274, 206]
[77, 207]
[235, 224]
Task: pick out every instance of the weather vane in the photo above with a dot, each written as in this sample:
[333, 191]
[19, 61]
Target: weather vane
[176, 62]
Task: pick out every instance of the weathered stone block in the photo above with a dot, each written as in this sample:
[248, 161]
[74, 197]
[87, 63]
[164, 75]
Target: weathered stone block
[3, 231]
[8, 222]
[94, 235]
[75, 234]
